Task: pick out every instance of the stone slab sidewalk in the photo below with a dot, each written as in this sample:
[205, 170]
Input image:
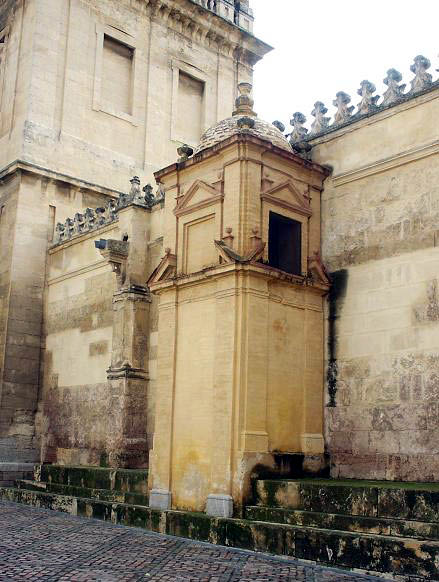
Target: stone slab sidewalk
[37, 544]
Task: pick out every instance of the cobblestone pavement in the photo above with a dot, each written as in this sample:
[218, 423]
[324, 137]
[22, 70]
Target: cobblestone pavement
[38, 544]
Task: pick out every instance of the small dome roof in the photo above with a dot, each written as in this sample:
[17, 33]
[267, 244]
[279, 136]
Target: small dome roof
[243, 119]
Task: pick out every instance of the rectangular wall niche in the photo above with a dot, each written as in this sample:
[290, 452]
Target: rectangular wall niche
[188, 105]
[285, 244]
[117, 75]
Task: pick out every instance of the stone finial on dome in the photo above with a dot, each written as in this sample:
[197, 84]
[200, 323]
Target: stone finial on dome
[244, 102]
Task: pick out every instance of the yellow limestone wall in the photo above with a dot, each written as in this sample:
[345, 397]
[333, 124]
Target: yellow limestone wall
[240, 346]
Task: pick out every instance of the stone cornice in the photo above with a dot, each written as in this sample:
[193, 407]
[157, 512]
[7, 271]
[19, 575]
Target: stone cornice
[242, 137]
[208, 28]
[224, 270]
[24, 166]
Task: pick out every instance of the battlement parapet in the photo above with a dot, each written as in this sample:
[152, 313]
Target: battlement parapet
[94, 219]
[421, 83]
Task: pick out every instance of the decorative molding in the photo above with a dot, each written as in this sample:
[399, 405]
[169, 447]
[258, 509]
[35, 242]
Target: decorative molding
[317, 270]
[231, 256]
[301, 204]
[389, 163]
[165, 270]
[126, 371]
[207, 27]
[183, 206]
[115, 253]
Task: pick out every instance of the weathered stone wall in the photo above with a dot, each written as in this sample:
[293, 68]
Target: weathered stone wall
[73, 124]
[380, 211]
[30, 205]
[59, 122]
[75, 410]
[8, 210]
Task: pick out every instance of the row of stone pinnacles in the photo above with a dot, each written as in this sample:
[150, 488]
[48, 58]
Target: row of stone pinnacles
[368, 104]
[93, 219]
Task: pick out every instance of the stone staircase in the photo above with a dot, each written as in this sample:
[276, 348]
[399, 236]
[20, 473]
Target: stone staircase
[87, 491]
[379, 527]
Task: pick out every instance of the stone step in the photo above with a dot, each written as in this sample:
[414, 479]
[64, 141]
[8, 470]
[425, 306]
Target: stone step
[359, 524]
[10, 472]
[386, 499]
[360, 551]
[124, 480]
[75, 491]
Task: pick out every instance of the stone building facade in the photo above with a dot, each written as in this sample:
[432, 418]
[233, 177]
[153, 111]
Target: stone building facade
[271, 303]
[91, 93]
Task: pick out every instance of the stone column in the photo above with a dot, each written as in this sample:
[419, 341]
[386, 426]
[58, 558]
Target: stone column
[128, 376]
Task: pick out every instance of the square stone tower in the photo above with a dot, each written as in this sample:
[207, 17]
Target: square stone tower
[240, 316]
[91, 93]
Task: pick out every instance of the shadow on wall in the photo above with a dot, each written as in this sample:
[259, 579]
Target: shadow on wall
[337, 292]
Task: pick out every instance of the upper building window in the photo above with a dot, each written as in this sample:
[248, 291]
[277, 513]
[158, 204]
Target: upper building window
[117, 75]
[190, 108]
[285, 244]
[189, 103]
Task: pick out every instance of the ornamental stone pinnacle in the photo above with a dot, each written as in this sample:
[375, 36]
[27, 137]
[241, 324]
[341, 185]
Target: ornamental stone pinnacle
[279, 125]
[135, 191]
[149, 196]
[244, 102]
[321, 122]
[299, 131]
[394, 92]
[185, 152]
[422, 79]
[368, 99]
[343, 111]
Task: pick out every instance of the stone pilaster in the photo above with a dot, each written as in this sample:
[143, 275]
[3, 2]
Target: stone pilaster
[128, 379]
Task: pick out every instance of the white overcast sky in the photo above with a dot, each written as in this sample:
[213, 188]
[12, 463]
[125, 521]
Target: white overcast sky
[322, 47]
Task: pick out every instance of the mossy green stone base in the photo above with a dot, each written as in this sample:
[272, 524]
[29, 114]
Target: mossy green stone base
[124, 480]
[76, 491]
[379, 553]
[357, 524]
[410, 501]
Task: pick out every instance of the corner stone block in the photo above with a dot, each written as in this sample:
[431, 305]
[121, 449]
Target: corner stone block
[160, 499]
[219, 505]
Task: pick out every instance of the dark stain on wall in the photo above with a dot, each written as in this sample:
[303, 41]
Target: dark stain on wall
[337, 292]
